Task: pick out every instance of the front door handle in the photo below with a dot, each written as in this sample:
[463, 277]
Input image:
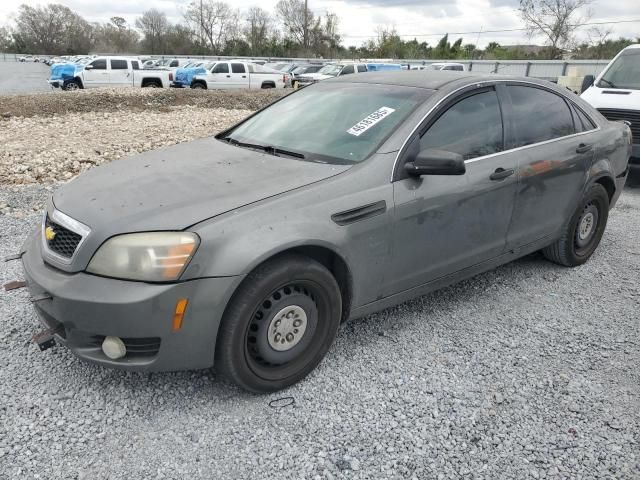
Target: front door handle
[228, 76]
[501, 173]
[583, 148]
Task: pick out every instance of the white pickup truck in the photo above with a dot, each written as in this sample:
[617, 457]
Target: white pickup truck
[108, 72]
[232, 75]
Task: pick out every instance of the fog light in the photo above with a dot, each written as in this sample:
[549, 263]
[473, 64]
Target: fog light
[113, 347]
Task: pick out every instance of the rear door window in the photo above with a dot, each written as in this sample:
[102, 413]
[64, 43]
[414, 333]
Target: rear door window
[237, 68]
[118, 64]
[538, 115]
[362, 68]
[135, 65]
[472, 127]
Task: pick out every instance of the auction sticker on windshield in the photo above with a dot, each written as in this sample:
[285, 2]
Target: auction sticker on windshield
[368, 122]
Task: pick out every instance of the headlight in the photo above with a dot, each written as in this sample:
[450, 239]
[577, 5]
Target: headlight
[151, 257]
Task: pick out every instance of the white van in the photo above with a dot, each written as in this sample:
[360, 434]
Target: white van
[616, 94]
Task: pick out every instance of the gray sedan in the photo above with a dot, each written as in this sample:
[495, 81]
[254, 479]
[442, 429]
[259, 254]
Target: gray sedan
[246, 251]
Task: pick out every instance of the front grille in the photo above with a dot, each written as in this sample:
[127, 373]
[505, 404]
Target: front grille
[65, 242]
[628, 115]
[136, 347]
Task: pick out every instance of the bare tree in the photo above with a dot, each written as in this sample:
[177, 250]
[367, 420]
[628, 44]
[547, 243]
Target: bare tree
[296, 19]
[324, 38]
[557, 20]
[154, 26]
[257, 30]
[116, 36]
[215, 23]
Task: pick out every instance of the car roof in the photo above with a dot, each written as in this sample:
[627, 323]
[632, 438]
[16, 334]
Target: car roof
[429, 79]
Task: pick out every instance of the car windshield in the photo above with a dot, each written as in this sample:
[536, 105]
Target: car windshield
[298, 70]
[333, 70]
[342, 124]
[624, 72]
[83, 61]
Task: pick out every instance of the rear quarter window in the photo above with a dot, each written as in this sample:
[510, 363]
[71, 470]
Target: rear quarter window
[583, 122]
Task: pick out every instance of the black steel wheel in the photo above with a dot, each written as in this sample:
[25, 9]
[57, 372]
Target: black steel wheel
[279, 324]
[584, 230]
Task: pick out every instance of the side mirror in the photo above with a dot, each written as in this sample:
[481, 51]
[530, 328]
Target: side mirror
[88, 67]
[436, 162]
[587, 82]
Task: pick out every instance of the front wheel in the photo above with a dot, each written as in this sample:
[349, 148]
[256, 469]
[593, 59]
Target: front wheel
[584, 231]
[279, 324]
[71, 85]
[198, 86]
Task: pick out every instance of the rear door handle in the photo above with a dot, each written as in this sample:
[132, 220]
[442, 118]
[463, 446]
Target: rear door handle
[501, 173]
[583, 148]
[228, 76]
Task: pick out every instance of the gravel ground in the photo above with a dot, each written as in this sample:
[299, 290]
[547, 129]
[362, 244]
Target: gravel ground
[528, 371]
[49, 149]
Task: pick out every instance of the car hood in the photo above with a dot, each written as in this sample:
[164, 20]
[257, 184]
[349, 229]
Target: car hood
[63, 71]
[621, 98]
[176, 187]
[316, 76]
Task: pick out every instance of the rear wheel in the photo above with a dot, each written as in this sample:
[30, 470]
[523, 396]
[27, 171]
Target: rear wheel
[584, 231]
[279, 324]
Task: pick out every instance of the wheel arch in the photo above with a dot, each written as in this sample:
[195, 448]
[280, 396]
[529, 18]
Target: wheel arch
[76, 79]
[268, 84]
[326, 256]
[608, 183]
[151, 80]
[199, 82]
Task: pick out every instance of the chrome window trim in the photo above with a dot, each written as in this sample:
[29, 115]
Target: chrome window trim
[69, 223]
[478, 85]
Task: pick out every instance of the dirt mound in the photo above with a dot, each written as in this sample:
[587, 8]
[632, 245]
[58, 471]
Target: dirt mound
[133, 99]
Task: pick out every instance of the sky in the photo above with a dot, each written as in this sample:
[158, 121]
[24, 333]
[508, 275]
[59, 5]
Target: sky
[427, 20]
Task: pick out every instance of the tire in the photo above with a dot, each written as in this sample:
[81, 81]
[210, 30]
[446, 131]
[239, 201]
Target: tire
[152, 84]
[72, 85]
[198, 86]
[279, 324]
[583, 232]
[267, 85]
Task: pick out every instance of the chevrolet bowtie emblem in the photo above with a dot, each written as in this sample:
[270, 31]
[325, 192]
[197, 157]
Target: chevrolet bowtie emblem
[49, 234]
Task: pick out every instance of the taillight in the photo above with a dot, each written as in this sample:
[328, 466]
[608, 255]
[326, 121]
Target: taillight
[285, 78]
[171, 76]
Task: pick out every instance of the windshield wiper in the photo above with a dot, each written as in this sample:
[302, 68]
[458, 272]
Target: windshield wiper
[271, 150]
[611, 84]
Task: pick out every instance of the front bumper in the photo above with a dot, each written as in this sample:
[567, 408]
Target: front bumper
[84, 308]
[634, 161]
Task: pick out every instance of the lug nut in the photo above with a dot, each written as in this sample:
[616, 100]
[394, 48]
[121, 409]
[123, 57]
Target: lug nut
[289, 337]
